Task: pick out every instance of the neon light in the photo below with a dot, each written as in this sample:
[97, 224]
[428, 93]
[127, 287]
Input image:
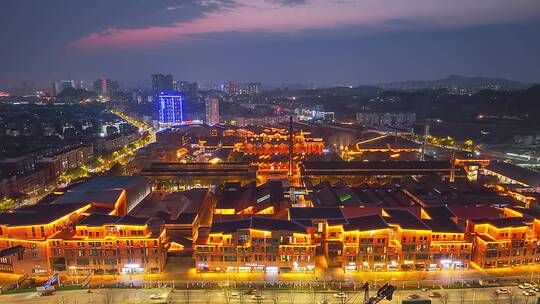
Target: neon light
[171, 108]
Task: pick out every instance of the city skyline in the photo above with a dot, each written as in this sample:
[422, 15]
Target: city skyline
[332, 43]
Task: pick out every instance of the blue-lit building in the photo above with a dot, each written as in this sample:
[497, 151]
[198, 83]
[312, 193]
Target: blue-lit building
[170, 107]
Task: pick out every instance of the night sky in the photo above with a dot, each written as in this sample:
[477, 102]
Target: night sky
[324, 42]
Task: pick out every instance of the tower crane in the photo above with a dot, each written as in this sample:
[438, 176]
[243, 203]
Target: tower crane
[385, 292]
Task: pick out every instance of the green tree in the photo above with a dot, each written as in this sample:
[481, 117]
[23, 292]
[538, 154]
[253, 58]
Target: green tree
[7, 203]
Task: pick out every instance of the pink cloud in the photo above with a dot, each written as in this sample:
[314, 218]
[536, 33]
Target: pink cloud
[273, 17]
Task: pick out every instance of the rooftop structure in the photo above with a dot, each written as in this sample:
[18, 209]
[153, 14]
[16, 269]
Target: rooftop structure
[511, 174]
[119, 193]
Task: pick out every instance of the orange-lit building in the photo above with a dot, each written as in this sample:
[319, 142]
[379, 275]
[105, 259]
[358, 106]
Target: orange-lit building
[256, 245]
[268, 199]
[25, 234]
[108, 244]
[388, 238]
[64, 237]
[508, 241]
[384, 147]
[366, 244]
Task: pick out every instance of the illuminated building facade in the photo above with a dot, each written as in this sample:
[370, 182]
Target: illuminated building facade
[108, 244]
[399, 119]
[105, 86]
[170, 108]
[508, 241]
[256, 245]
[211, 111]
[386, 239]
[25, 236]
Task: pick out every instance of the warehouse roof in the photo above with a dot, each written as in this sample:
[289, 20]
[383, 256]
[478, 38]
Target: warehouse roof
[39, 214]
[519, 174]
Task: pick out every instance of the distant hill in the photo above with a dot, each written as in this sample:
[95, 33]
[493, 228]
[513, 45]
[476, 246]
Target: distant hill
[458, 81]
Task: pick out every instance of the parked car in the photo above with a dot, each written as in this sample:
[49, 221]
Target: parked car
[156, 296]
[434, 295]
[257, 297]
[525, 286]
[502, 291]
[340, 295]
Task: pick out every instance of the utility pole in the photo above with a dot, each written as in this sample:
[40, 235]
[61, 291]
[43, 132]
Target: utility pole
[453, 167]
[424, 143]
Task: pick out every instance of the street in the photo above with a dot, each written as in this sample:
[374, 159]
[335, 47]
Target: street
[228, 296]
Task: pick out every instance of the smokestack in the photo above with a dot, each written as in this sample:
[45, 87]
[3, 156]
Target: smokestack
[290, 147]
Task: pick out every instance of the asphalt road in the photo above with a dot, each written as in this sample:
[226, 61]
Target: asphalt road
[135, 296]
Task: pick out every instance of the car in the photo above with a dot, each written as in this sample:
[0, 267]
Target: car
[434, 295]
[524, 286]
[235, 295]
[156, 296]
[257, 297]
[47, 293]
[529, 293]
[340, 295]
[424, 289]
[536, 289]
[502, 291]
[251, 292]
[413, 296]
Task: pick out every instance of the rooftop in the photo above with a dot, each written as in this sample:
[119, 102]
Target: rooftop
[39, 214]
[387, 142]
[102, 183]
[405, 219]
[522, 175]
[304, 213]
[259, 223]
[368, 222]
[316, 168]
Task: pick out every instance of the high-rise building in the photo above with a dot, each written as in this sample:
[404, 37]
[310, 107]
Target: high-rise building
[194, 92]
[212, 111]
[170, 107]
[105, 87]
[162, 83]
[184, 86]
[254, 88]
[233, 87]
[61, 85]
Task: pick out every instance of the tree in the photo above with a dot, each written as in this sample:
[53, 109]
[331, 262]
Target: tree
[7, 203]
[445, 298]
